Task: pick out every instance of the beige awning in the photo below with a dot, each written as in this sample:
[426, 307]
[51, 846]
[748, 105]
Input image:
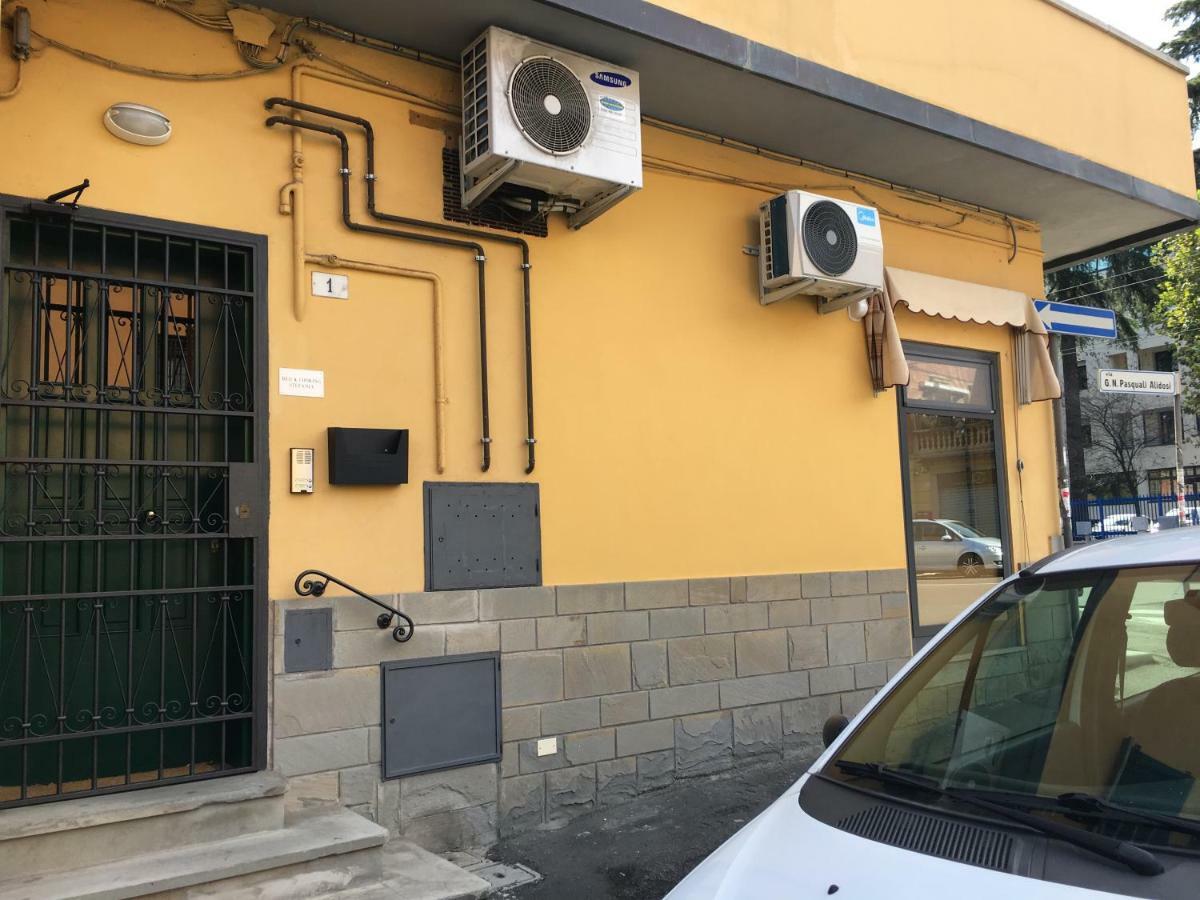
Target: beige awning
[966, 302]
[952, 299]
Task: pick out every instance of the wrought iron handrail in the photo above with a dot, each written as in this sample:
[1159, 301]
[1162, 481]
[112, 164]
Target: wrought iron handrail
[313, 582]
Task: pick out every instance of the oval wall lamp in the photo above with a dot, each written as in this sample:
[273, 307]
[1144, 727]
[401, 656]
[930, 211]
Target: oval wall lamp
[137, 124]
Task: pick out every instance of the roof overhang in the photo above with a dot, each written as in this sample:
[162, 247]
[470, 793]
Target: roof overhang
[708, 79]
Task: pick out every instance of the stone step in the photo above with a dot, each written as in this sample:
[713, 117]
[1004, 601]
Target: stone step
[222, 867]
[413, 873]
[397, 871]
[89, 831]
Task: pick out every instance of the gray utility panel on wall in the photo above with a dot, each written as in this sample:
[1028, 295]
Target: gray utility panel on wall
[440, 712]
[482, 535]
[308, 640]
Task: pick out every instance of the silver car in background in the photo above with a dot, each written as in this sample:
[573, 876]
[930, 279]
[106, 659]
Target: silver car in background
[947, 545]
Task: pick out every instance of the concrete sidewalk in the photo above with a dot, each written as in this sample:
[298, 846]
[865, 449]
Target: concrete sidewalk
[641, 849]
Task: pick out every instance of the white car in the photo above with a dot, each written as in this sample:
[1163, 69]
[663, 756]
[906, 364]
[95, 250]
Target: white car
[1045, 744]
[1115, 523]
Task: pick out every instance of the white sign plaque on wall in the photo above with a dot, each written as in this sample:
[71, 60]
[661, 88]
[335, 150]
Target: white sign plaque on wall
[335, 286]
[1128, 381]
[301, 382]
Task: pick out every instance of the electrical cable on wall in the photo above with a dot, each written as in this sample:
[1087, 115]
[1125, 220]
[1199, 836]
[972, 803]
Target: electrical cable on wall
[654, 164]
[915, 195]
[16, 85]
[131, 69]
[964, 211]
[19, 25]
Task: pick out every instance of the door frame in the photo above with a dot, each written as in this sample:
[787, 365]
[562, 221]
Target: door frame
[922, 633]
[262, 644]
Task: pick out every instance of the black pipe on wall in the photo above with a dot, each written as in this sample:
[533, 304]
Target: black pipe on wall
[476, 249]
[371, 178]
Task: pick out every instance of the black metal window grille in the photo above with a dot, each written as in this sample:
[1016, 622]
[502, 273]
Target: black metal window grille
[127, 612]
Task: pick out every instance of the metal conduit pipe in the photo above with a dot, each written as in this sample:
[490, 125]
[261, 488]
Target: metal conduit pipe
[440, 400]
[476, 249]
[291, 203]
[371, 177]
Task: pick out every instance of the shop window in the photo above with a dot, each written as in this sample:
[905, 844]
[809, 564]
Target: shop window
[950, 384]
[1081, 372]
[955, 496]
[1164, 360]
[1118, 360]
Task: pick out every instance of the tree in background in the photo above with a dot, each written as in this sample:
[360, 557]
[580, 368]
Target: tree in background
[1178, 313]
[1185, 16]
[1130, 281]
[1127, 283]
[1116, 440]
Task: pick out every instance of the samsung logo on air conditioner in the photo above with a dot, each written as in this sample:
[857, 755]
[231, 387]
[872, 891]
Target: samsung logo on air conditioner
[611, 79]
[866, 216]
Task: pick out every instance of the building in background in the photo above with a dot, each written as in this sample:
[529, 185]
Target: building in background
[645, 526]
[1129, 439]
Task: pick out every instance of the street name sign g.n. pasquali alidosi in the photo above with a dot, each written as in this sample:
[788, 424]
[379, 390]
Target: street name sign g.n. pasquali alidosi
[1124, 381]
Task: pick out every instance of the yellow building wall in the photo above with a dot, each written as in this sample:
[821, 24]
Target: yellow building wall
[683, 429]
[1023, 65]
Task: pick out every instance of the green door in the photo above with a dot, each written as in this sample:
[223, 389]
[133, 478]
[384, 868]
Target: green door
[130, 615]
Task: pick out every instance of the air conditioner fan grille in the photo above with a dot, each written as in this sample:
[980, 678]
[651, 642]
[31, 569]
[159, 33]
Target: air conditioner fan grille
[829, 237]
[549, 104]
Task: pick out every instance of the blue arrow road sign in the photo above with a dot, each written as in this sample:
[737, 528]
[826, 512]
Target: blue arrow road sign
[1069, 318]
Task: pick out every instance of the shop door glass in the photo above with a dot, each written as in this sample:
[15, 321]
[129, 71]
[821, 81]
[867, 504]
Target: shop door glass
[958, 540]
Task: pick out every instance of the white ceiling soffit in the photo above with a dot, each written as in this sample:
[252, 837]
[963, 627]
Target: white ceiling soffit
[708, 79]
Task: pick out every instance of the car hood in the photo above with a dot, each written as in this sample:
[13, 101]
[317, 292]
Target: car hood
[785, 853]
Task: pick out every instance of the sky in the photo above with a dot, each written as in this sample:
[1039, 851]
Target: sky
[1141, 19]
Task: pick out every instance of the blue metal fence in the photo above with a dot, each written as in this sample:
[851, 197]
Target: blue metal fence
[1113, 516]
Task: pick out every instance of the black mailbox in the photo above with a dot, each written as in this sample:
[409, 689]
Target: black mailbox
[368, 455]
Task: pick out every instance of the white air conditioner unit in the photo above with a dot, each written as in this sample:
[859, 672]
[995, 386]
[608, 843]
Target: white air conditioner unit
[548, 119]
[818, 246]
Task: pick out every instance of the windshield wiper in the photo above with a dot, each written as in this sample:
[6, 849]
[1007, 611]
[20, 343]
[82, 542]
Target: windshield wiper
[1143, 862]
[1090, 803]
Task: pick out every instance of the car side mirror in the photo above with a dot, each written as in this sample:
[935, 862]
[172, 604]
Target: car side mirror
[834, 726]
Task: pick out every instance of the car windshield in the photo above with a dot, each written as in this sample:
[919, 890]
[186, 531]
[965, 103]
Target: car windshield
[963, 529]
[1086, 683]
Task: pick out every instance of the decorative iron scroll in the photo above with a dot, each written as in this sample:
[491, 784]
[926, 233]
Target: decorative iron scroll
[313, 582]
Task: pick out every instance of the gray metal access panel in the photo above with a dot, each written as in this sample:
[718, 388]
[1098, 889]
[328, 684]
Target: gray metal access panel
[440, 712]
[482, 535]
[308, 640]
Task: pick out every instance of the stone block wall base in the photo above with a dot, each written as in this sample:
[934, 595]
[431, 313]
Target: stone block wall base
[637, 684]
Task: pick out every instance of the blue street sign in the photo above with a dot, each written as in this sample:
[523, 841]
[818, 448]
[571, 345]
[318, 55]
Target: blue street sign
[1069, 318]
